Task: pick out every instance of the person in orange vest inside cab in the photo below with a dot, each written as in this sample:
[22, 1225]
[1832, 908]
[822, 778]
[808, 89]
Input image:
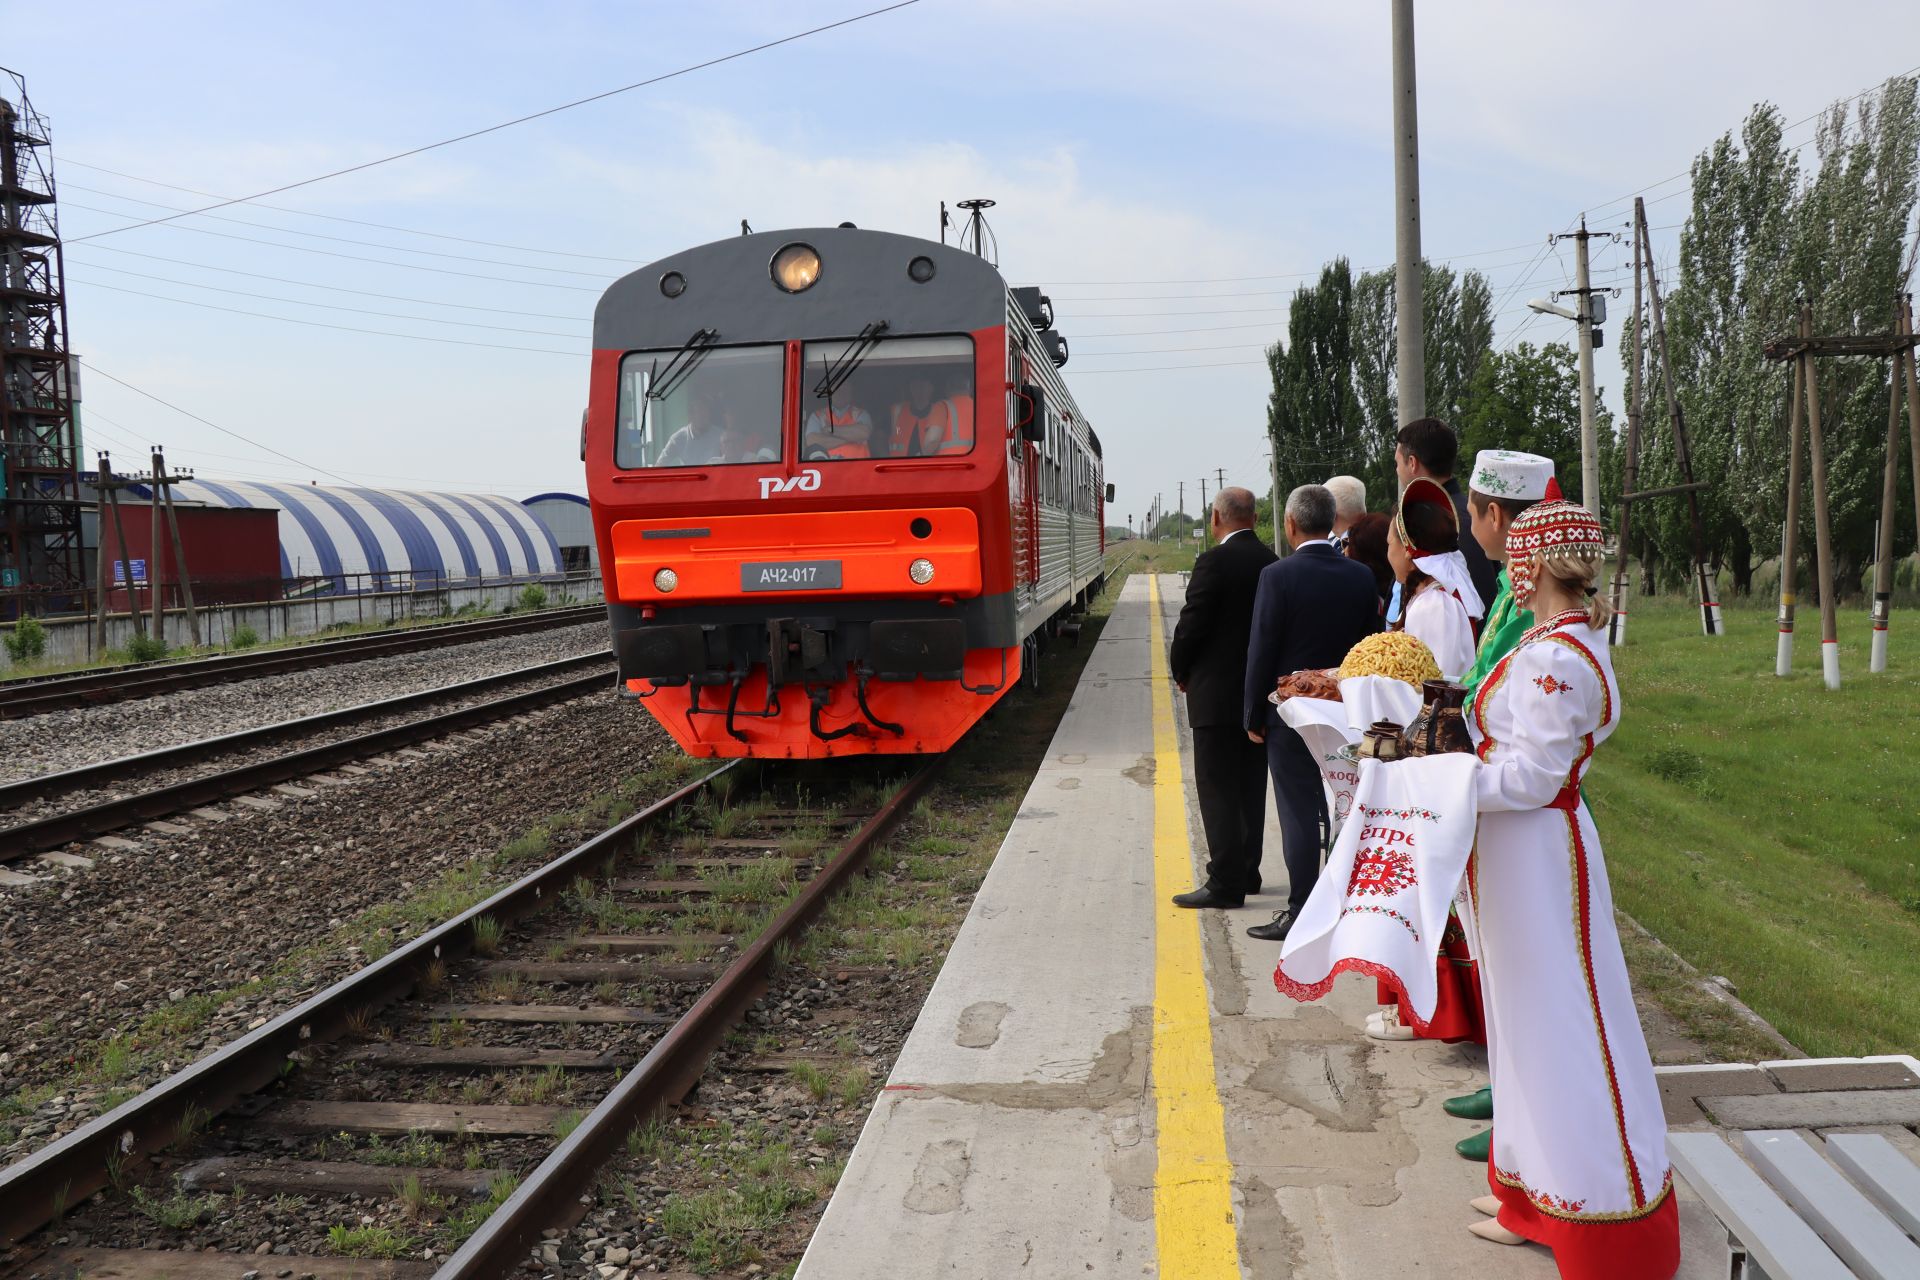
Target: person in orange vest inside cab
[959, 402]
[920, 422]
[837, 433]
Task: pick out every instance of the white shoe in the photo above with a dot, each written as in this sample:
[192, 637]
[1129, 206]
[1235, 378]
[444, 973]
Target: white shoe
[1488, 1229]
[1388, 1027]
[1489, 1205]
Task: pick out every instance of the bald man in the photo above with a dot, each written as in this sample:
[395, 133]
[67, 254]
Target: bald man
[1209, 662]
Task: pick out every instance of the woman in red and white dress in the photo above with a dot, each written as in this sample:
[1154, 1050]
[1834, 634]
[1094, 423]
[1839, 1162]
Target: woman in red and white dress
[1439, 608]
[1579, 1143]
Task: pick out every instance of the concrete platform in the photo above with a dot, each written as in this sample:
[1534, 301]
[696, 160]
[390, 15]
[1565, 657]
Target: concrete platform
[1101, 1085]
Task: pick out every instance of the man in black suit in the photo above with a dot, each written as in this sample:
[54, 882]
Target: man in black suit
[1309, 610]
[1209, 662]
[1428, 447]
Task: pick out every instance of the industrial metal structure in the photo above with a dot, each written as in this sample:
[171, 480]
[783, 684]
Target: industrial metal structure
[41, 564]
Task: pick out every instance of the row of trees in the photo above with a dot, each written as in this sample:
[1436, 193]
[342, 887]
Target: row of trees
[1335, 403]
[1761, 235]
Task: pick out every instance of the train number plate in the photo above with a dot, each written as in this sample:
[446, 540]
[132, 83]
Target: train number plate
[790, 575]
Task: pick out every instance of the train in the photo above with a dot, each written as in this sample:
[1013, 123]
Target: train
[841, 492]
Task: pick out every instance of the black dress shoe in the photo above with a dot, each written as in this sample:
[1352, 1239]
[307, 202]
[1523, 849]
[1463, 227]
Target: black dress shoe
[1208, 896]
[1276, 931]
[1252, 885]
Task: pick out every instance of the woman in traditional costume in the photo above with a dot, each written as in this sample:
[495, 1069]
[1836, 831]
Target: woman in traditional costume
[1579, 1140]
[1439, 601]
[1440, 605]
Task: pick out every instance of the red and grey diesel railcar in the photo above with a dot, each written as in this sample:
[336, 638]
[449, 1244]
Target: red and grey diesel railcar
[839, 490]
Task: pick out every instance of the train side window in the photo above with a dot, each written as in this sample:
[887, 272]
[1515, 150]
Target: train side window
[896, 398]
[720, 407]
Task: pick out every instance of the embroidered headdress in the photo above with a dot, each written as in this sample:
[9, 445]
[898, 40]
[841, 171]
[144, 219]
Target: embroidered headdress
[1423, 492]
[1554, 531]
[1439, 558]
[1505, 473]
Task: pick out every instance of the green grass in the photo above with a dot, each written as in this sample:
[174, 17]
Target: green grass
[1765, 828]
[368, 1242]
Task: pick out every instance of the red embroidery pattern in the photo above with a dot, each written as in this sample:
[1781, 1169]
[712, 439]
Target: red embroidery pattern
[1381, 872]
[1559, 1206]
[1369, 909]
[1549, 684]
[1371, 812]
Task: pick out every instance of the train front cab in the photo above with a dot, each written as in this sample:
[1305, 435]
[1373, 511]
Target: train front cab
[807, 539]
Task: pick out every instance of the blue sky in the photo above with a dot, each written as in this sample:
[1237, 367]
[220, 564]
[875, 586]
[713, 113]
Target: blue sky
[1128, 144]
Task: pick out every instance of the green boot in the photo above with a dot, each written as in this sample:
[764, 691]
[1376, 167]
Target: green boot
[1471, 1106]
[1479, 1147]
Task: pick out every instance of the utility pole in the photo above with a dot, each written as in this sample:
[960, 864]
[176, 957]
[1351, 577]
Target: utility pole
[1589, 435]
[156, 560]
[1408, 281]
[1621, 586]
[1203, 511]
[163, 482]
[1182, 497]
[110, 487]
[1220, 474]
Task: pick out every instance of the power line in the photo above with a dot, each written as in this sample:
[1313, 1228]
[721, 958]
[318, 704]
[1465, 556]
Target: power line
[307, 466]
[66, 161]
[307, 302]
[315, 284]
[320, 324]
[316, 235]
[334, 253]
[508, 124]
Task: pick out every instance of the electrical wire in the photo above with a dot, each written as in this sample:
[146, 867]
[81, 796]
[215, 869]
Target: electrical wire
[316, 235]
[315, 284]
[341, 328]
[518, 120]
[307, 302]
[334, 217]
[93, 368]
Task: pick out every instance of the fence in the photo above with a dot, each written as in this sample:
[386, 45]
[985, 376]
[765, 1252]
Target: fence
[293, 607]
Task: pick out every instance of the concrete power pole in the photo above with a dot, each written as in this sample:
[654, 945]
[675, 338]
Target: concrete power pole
[1203, 511]
[1589, 437]
[1408, 281]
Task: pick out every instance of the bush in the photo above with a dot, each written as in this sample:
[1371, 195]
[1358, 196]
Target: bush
[245, 637]
[28, 640]
[533, 596]
[146, 649]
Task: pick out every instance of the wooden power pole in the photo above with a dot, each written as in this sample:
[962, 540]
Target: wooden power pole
[163, 482]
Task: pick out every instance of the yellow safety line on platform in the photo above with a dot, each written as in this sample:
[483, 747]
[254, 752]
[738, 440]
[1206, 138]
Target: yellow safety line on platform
[1193, 1181]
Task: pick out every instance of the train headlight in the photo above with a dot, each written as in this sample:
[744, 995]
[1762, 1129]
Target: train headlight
[921, 571]
[796, 267]
[665, 580]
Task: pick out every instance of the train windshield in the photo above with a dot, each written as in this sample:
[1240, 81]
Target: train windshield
[700, 407]
[894, 398]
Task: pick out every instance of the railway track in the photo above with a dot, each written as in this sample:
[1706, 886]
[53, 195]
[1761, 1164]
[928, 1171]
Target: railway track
[480, 1033]
[161, 800]
[34, 695]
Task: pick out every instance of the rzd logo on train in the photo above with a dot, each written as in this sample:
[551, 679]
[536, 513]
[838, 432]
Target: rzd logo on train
[806, 482]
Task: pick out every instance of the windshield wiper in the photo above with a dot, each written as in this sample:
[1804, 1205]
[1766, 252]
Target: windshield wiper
[837, 374]
[684, 362]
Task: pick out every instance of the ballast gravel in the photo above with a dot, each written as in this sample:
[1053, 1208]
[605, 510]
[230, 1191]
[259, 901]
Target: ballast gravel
[87, 735]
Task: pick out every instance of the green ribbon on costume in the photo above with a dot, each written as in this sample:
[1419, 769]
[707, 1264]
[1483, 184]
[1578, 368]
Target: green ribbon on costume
[1499, 635]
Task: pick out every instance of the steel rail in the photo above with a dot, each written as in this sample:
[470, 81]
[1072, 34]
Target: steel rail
[35, 695]
[550, 1196]
[42, 786]
[24, 839]
[44, 1185]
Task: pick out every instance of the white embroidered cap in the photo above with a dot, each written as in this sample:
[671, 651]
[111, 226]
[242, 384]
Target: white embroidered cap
[1503, 473]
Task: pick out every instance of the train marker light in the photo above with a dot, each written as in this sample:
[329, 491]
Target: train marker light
[796, 267]
[665, 580]
[920, 270]
[921, 571]
[673, 284]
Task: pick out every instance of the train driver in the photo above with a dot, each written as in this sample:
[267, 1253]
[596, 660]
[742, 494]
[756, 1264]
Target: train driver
[837, 433]
[959, 403]
[699, 441]
[920, 422]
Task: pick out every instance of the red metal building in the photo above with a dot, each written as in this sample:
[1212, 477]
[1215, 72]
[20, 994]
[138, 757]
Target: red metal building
[233, 554]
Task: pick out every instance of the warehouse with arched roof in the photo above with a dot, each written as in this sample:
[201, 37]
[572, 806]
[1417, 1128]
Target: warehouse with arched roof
[348, 538]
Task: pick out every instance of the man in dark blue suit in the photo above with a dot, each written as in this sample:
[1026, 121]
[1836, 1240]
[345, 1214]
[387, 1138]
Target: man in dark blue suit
[1310, 609]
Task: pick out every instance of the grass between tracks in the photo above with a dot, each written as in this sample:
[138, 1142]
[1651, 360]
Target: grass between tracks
[167, 1038]
[1766, 828]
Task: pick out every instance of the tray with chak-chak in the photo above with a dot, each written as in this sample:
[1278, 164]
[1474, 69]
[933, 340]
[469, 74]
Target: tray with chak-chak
[1310, 683]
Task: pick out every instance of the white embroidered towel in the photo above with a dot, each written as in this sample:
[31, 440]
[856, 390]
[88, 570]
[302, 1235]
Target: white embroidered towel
[1322, 725]
[1370, 698]
[1380, 905]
